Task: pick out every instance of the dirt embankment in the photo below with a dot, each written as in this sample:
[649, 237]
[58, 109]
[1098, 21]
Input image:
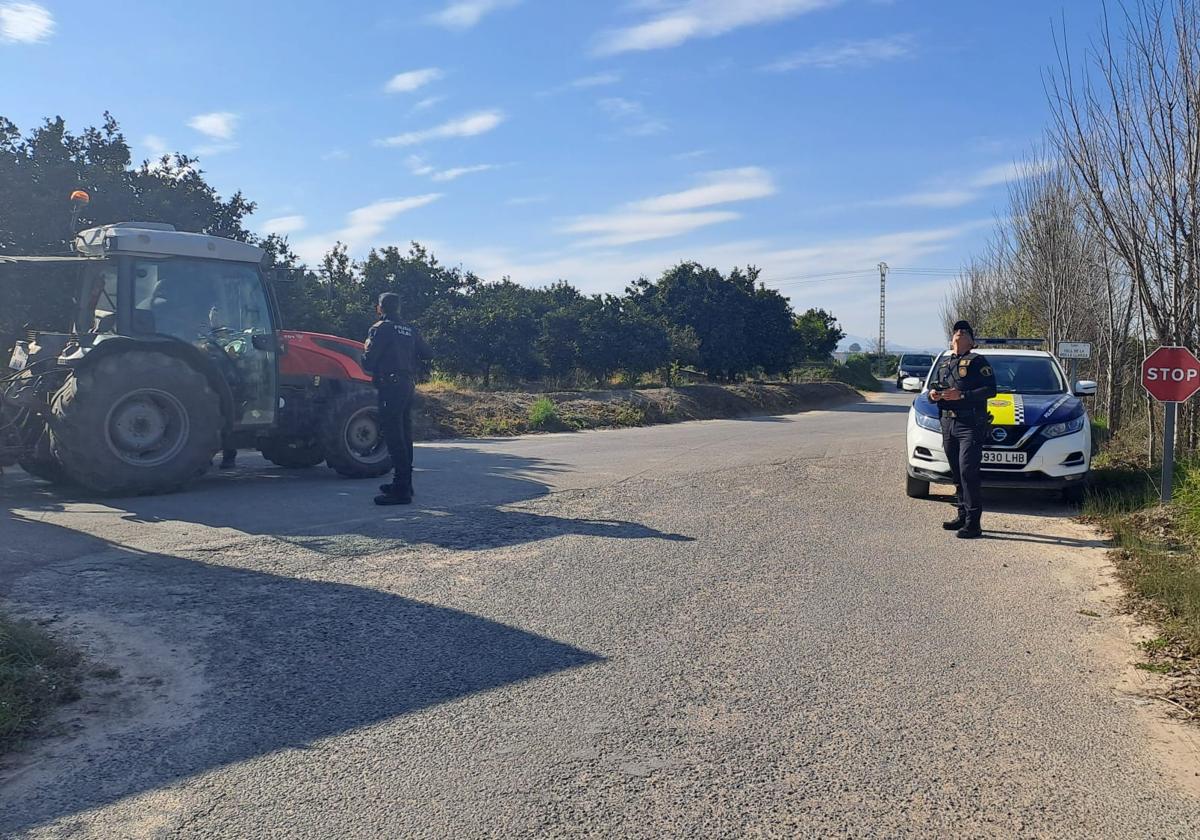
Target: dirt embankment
[443, 413]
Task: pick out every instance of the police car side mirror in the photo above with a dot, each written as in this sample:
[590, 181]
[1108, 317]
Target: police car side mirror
[1085, 388]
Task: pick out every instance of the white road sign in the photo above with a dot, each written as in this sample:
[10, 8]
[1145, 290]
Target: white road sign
[1074, 350]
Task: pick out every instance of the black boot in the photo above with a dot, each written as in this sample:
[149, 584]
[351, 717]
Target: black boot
[970, 530]
[957, 523]
[394, 498]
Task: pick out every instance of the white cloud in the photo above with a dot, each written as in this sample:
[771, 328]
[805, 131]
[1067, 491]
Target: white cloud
[584, 83]
[211, 149]
[933, 198]
[692, 155]
[972, 188]
[523, 200]
[218, 125]
[626, 228]
[362, 226]
[426, 103]
[284, 225]
[335, 154]
[673, 214]
[632, 116]
[721, 187]
[597, 80]
[853, 54]
[1005, 172]
[155, 146]
[417, 165]
[470, 125]
[412, 80]
[678, 21]
[457, 172]
[25, 23]
[465, 14]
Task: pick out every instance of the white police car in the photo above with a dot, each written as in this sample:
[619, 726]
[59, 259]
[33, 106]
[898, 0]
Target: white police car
[1040, 437]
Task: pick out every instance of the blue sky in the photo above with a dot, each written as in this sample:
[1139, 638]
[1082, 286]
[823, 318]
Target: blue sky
[580, 139]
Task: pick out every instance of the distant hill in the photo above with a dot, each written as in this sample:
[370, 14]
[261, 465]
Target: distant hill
[867, 343]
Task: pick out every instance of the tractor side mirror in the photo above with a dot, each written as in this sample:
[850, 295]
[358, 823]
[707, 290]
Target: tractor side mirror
[267, 342]
[280, 274]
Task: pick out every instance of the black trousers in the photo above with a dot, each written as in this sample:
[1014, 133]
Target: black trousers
[395, 418]
[962, 441]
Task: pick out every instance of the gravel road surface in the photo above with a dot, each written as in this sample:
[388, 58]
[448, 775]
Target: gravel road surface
[721, 629]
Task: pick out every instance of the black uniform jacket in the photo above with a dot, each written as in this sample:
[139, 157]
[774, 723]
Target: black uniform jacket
[394, 350]
[971, 374]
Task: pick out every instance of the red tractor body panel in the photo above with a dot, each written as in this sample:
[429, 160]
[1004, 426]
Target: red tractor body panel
[310, 355]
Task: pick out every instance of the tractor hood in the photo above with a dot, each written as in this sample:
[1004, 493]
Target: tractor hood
[1018, 409]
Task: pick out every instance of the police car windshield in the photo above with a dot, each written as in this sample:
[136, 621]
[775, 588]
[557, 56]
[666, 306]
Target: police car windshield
[1026, 374]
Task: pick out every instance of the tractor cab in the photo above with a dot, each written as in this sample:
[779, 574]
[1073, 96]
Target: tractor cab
[152, 283]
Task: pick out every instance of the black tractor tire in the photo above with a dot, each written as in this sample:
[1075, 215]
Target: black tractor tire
[914, 488]
[351, 436]
[41, 463]
[292, 453]
[135, 423]
[47, 470]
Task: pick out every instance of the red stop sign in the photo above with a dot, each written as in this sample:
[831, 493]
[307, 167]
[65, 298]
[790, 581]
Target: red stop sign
[1171, 374]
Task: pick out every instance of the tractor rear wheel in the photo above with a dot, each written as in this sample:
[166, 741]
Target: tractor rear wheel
[352, 437]
[135, 423]
[292, 453]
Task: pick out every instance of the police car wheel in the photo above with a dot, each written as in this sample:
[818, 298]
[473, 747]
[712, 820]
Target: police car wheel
[914, 488]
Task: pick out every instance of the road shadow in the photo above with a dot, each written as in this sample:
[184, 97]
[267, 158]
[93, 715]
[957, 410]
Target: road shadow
[1044, 539]
[1044, 503]
[463, 494]
[256, 663]
[873, 408]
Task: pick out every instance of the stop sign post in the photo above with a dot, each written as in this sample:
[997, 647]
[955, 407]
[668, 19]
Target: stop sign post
[1171, 375]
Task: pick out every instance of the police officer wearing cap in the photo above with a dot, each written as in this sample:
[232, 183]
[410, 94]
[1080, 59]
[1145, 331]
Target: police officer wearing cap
[963, 385]
[394, 352]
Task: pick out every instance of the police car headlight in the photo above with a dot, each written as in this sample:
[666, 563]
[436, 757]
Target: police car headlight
[933, 424]
[1068, 427]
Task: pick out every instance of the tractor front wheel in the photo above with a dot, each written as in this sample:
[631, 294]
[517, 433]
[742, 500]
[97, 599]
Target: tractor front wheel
[292, 453]
[135, 423]
[352, 437]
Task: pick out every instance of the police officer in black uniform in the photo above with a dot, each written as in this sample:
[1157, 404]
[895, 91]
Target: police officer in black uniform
[963, 385]
[394, 352]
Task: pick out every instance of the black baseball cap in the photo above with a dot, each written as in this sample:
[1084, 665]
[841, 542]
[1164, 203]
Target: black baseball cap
[965, 326]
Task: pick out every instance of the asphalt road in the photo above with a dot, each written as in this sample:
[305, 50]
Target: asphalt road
[715, 629]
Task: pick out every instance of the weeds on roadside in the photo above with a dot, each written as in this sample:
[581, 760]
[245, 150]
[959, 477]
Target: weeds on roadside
[543, 415]
[1158, 547]
[36, 674]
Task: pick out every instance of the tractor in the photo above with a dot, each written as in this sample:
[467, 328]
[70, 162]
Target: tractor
[175, 351]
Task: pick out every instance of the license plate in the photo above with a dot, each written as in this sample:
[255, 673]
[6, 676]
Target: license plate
[20, 358]
[996, 456]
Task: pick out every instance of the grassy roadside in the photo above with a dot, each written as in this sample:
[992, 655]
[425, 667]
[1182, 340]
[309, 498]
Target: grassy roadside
[1156, 551]
[37, 673]
[446, 411]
